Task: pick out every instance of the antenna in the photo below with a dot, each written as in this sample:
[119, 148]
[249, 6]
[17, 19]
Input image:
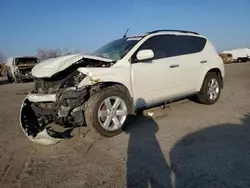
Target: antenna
[125, 35]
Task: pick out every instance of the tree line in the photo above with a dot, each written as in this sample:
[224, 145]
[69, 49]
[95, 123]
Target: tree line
[43, 54]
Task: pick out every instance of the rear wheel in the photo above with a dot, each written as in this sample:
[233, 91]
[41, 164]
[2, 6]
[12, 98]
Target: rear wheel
[210, 90]
[244, 60]
[107, 111]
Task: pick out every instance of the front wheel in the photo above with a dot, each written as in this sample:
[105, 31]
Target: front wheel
[17, 80]
[108, 111]
[10, 80]
[210, 90]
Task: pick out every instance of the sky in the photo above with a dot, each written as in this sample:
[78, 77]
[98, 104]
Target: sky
[86, 25]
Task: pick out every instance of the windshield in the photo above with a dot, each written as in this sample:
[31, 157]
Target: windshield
[117, 49]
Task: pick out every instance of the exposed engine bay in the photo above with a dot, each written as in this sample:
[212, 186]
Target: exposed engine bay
[23, 70]
[58, 99]
[23, 67]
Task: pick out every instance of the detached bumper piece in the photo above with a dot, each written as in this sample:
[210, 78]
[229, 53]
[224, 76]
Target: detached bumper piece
[42, 97]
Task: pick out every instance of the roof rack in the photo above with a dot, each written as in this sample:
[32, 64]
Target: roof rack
[181, 31]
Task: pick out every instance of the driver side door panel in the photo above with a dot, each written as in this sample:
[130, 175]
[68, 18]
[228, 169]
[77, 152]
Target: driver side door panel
[157, 79]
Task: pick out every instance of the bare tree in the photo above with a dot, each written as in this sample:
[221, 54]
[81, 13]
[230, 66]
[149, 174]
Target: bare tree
[2, 58]
[68, 52]
[43, 54]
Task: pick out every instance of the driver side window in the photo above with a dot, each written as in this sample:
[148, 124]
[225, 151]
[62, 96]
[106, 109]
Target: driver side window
[161, 45]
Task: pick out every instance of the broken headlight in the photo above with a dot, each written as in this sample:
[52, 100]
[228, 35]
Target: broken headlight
[74, 79]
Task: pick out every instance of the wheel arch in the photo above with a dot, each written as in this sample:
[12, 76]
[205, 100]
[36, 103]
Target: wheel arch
[117, 85]
[218, 73]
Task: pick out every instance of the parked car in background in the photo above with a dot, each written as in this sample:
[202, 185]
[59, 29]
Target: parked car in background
[248, 53]
[3, 69]
[104, 89]
[226, 58]
[239, 55]
[19, 68]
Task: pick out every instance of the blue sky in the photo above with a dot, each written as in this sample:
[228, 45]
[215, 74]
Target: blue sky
[85, 25]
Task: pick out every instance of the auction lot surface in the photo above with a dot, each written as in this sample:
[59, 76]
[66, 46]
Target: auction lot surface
[187, 145]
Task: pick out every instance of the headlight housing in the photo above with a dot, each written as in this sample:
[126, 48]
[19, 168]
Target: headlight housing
[73, 80]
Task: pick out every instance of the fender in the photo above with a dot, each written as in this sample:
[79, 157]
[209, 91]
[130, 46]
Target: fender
[115, 74]
[217, 70]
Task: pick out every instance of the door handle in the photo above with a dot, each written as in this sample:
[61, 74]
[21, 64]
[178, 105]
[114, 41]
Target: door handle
[204, 61]
[174, 66]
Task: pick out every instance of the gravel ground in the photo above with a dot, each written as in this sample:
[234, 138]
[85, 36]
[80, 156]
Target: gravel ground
[186, 145]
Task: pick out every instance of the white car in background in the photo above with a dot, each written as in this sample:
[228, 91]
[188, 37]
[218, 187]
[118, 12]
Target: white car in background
[104, 89]
[19, 68]
[239, 55]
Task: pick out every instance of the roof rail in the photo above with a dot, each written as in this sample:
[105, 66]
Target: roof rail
[181, 31]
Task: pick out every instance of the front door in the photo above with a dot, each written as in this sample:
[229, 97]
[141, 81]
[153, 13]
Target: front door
[157, 79]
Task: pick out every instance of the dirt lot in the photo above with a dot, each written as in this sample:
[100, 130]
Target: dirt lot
[188, 145]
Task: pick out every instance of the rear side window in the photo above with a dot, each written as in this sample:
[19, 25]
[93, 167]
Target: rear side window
[184, 45]
[165, 46]
[162, 46]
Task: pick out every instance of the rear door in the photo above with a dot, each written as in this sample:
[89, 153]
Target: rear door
[192, 61]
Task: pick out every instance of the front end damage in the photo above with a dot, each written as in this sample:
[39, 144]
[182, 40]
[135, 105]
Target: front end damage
[64, 108]
[23, 67]
[58, 100]
[23, 72]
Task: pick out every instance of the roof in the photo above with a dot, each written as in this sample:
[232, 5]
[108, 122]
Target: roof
[175, 31]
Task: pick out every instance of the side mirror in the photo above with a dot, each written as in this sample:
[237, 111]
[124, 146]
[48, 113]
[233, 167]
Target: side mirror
[145, 54]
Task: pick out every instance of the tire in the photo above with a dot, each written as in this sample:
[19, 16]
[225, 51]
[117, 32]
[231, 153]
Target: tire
[93, 105]
[10, 80]
[17, 80]
[203, 96]
[244, 60]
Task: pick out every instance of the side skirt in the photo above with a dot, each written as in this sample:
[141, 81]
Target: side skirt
[158, 103]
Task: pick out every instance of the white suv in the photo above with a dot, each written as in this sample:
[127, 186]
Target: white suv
[103, 89]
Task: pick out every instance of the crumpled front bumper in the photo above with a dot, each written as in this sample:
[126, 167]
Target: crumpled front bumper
[42, 137]
[39, 111]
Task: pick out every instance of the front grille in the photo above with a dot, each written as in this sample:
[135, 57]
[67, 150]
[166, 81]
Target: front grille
[46, 87]
[25, 71]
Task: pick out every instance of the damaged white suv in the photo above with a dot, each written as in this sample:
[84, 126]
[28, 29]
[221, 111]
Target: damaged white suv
[103, 89]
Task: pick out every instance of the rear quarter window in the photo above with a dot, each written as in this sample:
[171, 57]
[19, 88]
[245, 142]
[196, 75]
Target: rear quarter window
[184, 45]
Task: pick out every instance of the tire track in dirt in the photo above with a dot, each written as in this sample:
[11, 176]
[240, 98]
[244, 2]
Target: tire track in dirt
[15, 148]
[13, 167]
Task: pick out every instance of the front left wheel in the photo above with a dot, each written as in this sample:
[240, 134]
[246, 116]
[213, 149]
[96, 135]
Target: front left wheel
[108, 111]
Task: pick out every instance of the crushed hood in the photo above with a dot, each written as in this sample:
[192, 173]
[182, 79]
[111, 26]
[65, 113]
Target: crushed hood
[52, 66]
